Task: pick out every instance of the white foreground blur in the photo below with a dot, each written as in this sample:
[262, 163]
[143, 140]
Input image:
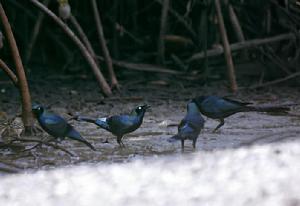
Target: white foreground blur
[258, 175]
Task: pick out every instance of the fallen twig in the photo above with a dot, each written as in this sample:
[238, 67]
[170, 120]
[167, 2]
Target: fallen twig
[275, 81]
[45, 143]
[241, 45]
[143, 67]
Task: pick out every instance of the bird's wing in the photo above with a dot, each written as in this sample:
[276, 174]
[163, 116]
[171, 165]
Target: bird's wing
[237, 102]
[122, 122]
[181, 124]
[103, 123]
[194, 121]
[54, 124]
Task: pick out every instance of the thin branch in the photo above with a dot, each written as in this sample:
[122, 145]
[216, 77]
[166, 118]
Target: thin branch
[98, 74]
[227, 52]
[236, 26]
[241, 45]
[276, 81]
[182, 21]
[23, 86]
[162, 33]
[9, 72]
[143, 67]
[35, 33]
[83, 36]
[113, 79]
[46, 143]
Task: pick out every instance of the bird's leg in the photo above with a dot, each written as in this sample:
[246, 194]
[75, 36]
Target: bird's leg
[194, 144]
[105, 141]
[220, 125]
[123, 145]
[119, 140]
[182, 145]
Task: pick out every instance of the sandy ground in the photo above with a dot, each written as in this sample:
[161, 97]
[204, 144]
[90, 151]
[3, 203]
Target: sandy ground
[252, 160]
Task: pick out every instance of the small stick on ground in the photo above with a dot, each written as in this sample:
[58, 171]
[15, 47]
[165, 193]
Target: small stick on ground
[113, 79]
[39, 142]
[23, 86]
[162, 33]
[227, 52]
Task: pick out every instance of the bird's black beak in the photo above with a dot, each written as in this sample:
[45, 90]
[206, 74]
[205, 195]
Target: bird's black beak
[146, 106]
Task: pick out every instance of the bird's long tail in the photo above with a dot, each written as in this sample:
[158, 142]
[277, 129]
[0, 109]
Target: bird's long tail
[73, 134]
[101, 122]
[85, 119]
[174, 138]
[266, 108]
[87, 144]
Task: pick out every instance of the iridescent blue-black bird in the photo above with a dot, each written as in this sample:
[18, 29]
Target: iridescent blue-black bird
[190, 126]
[221, 107]
[57, 126]
[119, 125]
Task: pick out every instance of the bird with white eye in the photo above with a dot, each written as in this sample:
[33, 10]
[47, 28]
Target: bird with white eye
[57, 126]
[119, 125]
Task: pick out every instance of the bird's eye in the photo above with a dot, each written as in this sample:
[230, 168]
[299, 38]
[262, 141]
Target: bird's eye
[140, 108]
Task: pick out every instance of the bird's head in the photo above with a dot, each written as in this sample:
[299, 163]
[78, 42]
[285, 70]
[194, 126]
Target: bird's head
[141, 109]
[200, 99]
[192, 107]
[37, 109]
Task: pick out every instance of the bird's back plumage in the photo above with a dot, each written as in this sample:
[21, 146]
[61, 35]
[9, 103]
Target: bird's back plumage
[54, 124]
[216, 107]
[58, 127]
[221, 107]
[123, 124]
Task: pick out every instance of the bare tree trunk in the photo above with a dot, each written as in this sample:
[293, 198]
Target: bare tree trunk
[23, 86]
[163, 25]
[227, 52]
[106, 54]
[99, 77]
